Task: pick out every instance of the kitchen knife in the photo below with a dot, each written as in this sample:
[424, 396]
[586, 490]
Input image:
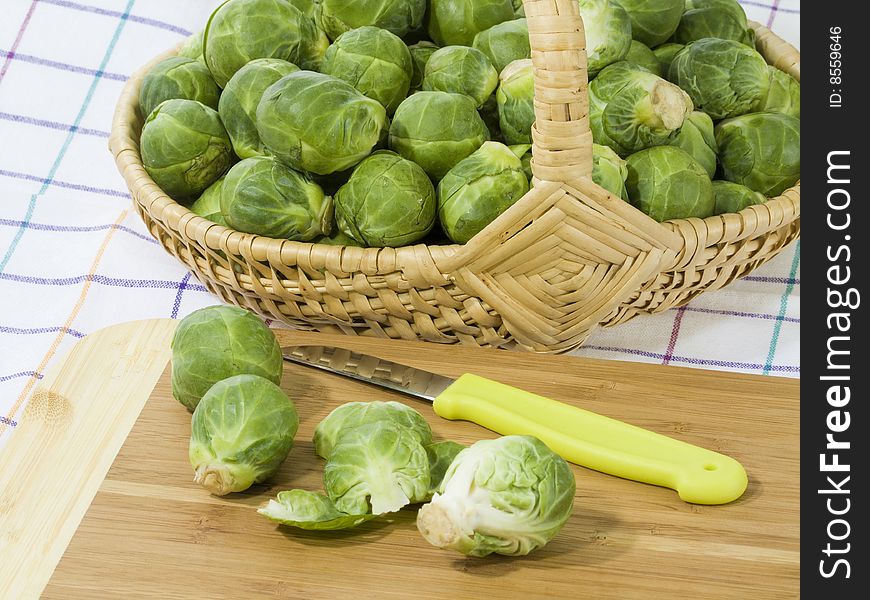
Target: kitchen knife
[698, 475]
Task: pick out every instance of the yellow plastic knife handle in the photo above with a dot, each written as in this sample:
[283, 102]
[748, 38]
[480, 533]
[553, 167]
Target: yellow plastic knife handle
[591, 440]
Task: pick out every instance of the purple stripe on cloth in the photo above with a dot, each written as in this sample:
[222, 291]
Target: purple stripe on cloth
[784, 280]
[699, 361]
[35, 60]
[17, 41]
[21, 374]
[64, 184]
[76, 229]
[737, 313]
[773, 9]
[114, 13]
[181, 287]
[39, 330]
[52, 125]
[6, 421]
[675, 332]
[102, 279]
[791, 11]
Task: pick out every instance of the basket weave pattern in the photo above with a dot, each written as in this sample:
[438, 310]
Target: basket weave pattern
[567, 257]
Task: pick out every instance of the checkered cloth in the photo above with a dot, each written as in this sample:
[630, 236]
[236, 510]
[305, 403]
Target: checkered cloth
[74, 256]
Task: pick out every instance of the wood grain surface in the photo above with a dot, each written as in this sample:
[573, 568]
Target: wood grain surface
[152, 532]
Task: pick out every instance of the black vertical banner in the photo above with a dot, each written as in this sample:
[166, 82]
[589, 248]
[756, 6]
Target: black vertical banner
[835, 248]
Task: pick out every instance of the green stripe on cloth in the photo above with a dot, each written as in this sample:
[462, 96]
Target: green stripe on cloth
[783, 305]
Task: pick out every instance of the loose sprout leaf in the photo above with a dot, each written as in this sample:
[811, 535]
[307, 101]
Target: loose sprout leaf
[309, 510]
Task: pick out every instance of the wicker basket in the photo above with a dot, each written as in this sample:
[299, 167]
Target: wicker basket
[566, 258]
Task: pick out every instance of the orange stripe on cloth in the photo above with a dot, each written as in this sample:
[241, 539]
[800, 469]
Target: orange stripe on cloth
[69, 321]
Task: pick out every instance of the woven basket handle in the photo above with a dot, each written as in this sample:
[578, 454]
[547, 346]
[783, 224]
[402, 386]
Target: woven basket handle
[561, 139]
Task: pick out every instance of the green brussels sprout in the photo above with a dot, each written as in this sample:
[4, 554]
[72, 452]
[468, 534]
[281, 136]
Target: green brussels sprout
[489, 113]
[653, 22]
[608, 33]
[609, 170]
[440, 454]
[241, 432]
[761, 151]
[208, 205]
[461, 70]
[724, 78]
[456, 22]
[421, 52]
[712, 22]
[666, 183]
[436, 130]
[640, 54]
[315, 122]
[524, 153]
[732, 197]
[665, 55]
[262, 196]
[178, 77]
[307, 7]
[239, 31]
[634, 109]
[516, 102]
[374, 61]
[192, 47]
[239, 100]
[185, 147]
[783, 94]
[504, 43]
[216, 342]
[510, 495]
[697, 138]
[519, 9]
[377, 468]
[732, 7]
[353, 414]
[309, 510]
[396, 16]
[478, 189]
[389, 201]
[337, 238]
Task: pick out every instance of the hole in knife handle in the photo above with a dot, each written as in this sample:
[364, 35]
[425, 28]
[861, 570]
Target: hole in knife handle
[710, 467]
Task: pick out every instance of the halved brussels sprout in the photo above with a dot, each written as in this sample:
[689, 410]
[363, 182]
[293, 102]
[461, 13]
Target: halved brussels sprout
[396, 16]
[264, 197]
[436, 130]
[640, 54]
[609, 170]
[421, 52]
[178, 77]
[761, 151]
[712, 22]
[665, 55]
[732, 197]
[216, 342]
[478, 189]
[456, 22]
[318, 123]
[208, 205]
[510, 495]
[241, 432]
[192, 47]
[608, 33]
[504, 43]
[697, 138]
[239, 100]
[388, 201]
[309, 510]
[516, 102]
[185, 148]
[666, 183]
[239, 31]
[783, 94]
[374, 61]
[653, 22]
[461, 70]
[441, 455]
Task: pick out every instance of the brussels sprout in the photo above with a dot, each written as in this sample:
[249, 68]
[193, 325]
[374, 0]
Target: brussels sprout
[783, 94]
[377, 467]
[712, 22]
[185, 148]
[307, 7]
[192, 47]
[489, 113]
[519, 9]
[510, 495]
[177, 77]
[317, 123]
[353, 414]
[208, 205]
[478, 189]
[388, 201]
[634, 109]
[456, 22]
[461, 70]
[436, 130]
[264, 197]
[504, 43]
[516, 102]
[696, 137]
[665, 55]
[609, 170]
[666, 183]
[374, 61]
[653, 22]
[309, 510]
[396, 16]
[241, 432]
[608, 33]
[761, 151]
[440, 454]
[420, 54]
[239, 100]
[733, 197]
[239, 31]
[640, 54]
[524, 153]
[732, 7]
[337, 238]
[724, 78]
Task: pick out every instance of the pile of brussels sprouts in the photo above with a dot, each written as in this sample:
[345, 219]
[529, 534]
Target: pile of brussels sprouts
[382, 123]
[510, 495]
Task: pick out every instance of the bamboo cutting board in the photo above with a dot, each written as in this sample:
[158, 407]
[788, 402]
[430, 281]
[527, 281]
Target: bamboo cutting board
[151, 532]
